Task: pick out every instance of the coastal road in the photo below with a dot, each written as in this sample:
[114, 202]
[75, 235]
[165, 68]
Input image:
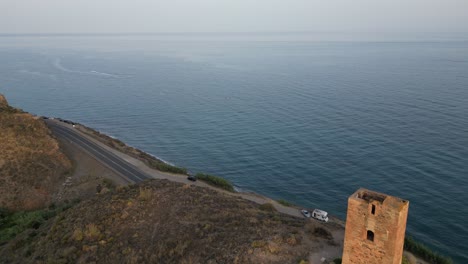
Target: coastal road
[134, 172]
[117, 164]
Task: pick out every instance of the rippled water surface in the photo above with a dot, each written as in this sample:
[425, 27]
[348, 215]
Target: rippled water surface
[309, 122]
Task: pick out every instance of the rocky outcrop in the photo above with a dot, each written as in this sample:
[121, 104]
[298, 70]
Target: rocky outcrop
[3, 101]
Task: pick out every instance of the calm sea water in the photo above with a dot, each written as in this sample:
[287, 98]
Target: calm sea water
[306, 121]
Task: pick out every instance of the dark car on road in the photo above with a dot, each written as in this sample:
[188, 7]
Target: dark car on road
[192, 178]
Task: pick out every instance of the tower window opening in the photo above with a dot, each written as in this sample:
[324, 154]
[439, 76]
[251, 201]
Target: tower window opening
[373, 209]
[370, 235]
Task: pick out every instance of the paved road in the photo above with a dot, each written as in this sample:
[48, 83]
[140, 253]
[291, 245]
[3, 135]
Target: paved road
[135, 174]
[122, 167]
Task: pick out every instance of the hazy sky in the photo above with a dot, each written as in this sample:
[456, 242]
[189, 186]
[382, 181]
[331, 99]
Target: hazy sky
[117, 16]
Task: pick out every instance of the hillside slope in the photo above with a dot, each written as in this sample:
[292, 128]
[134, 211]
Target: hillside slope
[31, 163]
[165, 222]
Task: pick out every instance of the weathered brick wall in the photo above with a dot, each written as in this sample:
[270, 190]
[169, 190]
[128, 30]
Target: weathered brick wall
[388, 223]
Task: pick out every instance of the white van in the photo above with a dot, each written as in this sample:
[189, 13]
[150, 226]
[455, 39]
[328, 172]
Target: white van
[320, 215]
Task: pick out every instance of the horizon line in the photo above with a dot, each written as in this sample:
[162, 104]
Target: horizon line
[59, 34]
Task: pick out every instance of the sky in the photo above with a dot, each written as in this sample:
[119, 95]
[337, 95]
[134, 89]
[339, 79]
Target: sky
[155, 16]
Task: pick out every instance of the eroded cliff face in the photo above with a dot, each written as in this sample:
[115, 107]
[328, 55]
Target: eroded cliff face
[3, 101]
[32, 165]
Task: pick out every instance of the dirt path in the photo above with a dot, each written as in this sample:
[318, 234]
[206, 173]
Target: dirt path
[87, 174]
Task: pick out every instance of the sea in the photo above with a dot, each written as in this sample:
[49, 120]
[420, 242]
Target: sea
[295, 117]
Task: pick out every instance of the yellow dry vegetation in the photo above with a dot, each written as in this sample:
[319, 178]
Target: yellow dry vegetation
[92, 232]
[172, 225]
[145, 194]
[31, 163]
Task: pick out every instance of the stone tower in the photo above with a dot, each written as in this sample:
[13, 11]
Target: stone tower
[375, 228]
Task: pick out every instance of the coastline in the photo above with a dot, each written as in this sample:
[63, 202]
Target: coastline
[142, 160]
[145, 158]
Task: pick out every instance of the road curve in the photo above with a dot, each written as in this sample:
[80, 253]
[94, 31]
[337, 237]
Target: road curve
[134, 174]
[117, 164]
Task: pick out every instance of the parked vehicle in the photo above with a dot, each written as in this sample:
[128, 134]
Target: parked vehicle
[305, 213]
[320, 215]
[192, 178]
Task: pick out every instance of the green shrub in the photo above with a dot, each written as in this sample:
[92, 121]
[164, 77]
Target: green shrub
[161, 166]
[215, 181]
[422, 251]
[405, 260]
[15, 223]
[12, 224]
[108, 183]
[4, 213]
[284, 202]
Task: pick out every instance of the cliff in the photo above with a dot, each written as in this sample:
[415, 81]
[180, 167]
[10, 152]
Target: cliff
[157, 221]
[3, 101]
[31, 162]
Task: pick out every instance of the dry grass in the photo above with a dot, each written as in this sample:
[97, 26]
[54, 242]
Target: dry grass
[78, 234]
[31, 162]
[92, 232]
[174, 224]
[153, 222]
[145, 194]
[268, 207]
[323, 233]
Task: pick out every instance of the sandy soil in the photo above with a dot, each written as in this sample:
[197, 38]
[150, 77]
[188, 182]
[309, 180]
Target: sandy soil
[87, 174]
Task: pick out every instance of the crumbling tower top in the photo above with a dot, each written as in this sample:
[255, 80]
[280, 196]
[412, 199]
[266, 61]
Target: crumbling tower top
[375, 228]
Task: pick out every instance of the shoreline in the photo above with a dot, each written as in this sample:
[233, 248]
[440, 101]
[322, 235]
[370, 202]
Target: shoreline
[335, 224]
[132, 151]
[141, 156]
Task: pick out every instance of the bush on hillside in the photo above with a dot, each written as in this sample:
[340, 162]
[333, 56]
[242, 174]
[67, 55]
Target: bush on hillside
[14, 223]
[405, 260]
[215, 181]
[424, 252]
[284, 202]
[161, 166]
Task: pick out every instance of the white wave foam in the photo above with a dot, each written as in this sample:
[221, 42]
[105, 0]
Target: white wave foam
[239, 190]
[58, 64]
[154, 156]
[104, 74]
